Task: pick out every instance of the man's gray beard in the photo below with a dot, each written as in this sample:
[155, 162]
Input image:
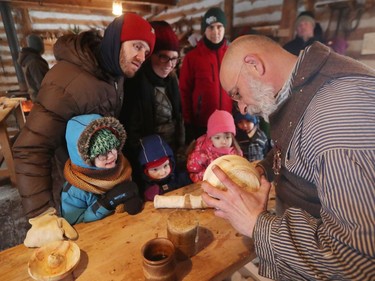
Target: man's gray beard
[263, 94]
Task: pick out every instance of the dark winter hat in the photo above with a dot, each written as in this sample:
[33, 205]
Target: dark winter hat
[153, 148]
[102, 142]
[220, 121]
[213, 15]
[238, 117]
[35, 42]
[305, 16]
[125, 27]
[166, 38]
[135, 27]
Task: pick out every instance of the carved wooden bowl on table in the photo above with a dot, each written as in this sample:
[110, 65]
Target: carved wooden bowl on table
[54, 261]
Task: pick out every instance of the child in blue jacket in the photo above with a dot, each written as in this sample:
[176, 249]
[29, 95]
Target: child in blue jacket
[98, 176]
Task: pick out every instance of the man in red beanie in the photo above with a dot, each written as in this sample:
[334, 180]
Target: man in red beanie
[87, 78]
[153, 104]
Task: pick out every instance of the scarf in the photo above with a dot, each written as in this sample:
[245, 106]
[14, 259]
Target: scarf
[213, 46]
[98, 181]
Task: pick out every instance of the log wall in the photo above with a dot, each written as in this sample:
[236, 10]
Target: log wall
[248, 16]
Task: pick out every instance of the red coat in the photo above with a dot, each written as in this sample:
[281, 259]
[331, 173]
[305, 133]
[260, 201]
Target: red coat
[202, 155]
[200, 88]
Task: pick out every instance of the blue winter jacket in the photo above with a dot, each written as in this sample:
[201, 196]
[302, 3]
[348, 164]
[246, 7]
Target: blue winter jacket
[78, 205]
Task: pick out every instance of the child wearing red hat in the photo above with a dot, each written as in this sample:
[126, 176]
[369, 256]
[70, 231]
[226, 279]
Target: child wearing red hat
[218, 141]
[158, 165]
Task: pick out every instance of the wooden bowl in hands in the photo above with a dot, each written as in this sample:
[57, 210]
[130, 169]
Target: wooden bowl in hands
[54, 261]
[238, 168]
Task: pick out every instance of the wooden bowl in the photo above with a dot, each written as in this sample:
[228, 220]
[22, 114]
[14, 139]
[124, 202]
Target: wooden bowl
[239, 169]
[54, 261]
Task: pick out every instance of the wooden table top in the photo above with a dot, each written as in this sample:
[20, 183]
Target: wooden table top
[111, 247]
[7, 105]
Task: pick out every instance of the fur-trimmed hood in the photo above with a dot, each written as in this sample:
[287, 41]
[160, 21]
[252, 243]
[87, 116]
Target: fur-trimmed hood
[80, 130]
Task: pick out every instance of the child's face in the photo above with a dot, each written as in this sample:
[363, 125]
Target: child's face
[246, 125]
[161, 171]
[222, 140]
[107, 160]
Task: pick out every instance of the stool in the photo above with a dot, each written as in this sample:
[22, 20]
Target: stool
[9, 106]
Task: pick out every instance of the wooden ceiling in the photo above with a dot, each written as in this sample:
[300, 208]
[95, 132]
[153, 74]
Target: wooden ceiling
[141, 7]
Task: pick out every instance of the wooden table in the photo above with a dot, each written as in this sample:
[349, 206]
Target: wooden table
[111, 248]
[7, 107]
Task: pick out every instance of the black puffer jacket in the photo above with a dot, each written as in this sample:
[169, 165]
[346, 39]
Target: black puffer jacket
[76, 85]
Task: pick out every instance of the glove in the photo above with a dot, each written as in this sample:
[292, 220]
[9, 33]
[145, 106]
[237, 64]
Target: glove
[151, 192]
[48, 227]
[126, 193]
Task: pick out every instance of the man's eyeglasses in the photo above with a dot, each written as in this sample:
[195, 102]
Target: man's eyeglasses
[166, 59]
[235, 94]
[103, 157]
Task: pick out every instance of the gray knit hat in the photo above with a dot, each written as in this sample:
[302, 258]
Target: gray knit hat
[35, 42]
[305, 16]
[213, 15]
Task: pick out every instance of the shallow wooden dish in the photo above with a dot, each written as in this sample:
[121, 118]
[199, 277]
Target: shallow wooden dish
[239, 169]
[54, 261]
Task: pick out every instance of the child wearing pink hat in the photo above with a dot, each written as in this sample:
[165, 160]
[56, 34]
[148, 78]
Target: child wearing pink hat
[218, 141]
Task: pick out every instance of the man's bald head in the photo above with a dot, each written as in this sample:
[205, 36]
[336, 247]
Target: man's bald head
[254, 49]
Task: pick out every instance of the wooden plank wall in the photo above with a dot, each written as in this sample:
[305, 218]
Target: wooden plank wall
[249, 16]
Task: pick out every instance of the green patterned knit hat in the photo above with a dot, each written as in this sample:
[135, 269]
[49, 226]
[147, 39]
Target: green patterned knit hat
[102, 142]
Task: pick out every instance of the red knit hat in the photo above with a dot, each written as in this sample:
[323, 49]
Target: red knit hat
[166, 38]
[220, 121]
[135, 27]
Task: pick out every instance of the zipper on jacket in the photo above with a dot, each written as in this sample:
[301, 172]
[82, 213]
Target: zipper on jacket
[220, 92]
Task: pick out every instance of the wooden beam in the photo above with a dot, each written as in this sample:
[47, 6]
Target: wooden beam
[103, 10]
[96, 4]
[289, 13]
[309, 5]
[26, 25]
[228, 9]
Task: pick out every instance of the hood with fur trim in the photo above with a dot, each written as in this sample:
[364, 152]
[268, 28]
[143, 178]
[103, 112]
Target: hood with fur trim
[79, 131]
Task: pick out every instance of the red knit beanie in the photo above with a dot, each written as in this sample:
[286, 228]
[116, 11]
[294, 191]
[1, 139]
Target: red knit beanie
[135, 27]
[220, 121]
[166, 38]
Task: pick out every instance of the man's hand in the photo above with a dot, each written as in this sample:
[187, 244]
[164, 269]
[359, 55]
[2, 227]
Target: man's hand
[241, 208]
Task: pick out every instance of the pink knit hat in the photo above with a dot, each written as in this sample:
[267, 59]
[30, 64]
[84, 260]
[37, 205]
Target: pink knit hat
[220, 121]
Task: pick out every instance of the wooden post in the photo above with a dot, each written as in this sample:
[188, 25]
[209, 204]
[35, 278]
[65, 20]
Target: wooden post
[289, 13]
[228, 10]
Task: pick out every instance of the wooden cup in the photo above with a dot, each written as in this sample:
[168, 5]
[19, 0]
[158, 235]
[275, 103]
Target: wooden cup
[159, 260]
[182, 230]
